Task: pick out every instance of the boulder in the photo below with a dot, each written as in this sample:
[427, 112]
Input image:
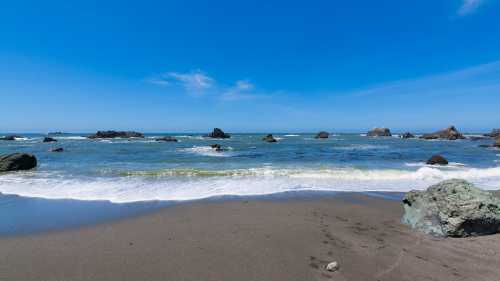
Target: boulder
[218, 134]
[407, 135]
[167, 138]
[497, 143]
[437, 160]
[216, 146]
[452, 208]
[495, 133]
[379, 132]
[450, 133]
[10, 137]
[49, 139]
[322, 135]
[59, 149]
[17, 161]
[115, 134]
[269, 138]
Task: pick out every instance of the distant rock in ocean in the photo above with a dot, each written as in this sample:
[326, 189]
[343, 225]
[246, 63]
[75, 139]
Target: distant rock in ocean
[217, 147]
[379, 132]
[437, 160]
[450, 133]
[10, 137]
[322, 135]
[59, 149]
[269, 138]
[495, 133]
[168, 139]
[453, 208]
[17, 161]
[218, 134]
[407, 135]
[115, 134]
[49, 139]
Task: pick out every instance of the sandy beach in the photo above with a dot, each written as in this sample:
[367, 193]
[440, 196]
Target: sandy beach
[253, 240]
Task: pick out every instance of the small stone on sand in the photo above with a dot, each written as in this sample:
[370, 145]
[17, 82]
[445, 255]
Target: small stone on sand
[333, 266]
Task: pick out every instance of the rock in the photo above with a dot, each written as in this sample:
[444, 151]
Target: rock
[115, 134]
[17, 161]
[333, 266]
[167, 138]
[322, 135]
[10, 137]
[450, 133]
[453, 208]
[495, 133]
[497, 143]
[269, 138]
[218, 134]
[217, 147]
[477, 138]
[407, 135]
[437, 160]
[59, 149]
[48, 139]
[379, 132]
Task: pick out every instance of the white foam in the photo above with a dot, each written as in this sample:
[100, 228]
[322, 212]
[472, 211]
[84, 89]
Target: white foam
[292, 135]
[207, 151]
[361, 147]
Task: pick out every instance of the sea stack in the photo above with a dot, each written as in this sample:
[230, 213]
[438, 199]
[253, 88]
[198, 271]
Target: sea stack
[269, 138]
[450, 133]
[17, 162]
[322, 135]
[115, 134]
[218, 134]
[167, 139]
[437, 160]
[407, 135]
[379, 132]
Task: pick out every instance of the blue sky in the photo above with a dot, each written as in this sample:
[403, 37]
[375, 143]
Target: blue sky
[255, 66]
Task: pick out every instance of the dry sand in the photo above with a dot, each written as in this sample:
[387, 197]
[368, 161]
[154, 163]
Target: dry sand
[253, 240]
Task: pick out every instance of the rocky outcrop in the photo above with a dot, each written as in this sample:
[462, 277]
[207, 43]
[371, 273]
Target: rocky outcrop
[450, 133]
[379, 132]
[407, 135]
[495, 133]
[10, 137]
[49, 139]
[322, 135]
[115, 134]
[217, 147]
[17, 161]
[497, 143]
[167, 138]
[437, 160]
[269, 138]
[453, 208]
[218, 134]
[59, 149]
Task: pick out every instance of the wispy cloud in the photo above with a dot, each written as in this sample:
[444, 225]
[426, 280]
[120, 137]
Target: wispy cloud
[243, 89]
[469, 6]
[482, 79]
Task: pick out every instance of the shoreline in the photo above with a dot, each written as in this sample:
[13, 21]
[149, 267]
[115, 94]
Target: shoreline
[252, 239]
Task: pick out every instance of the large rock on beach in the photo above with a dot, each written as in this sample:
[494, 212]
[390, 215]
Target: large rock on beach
[452, 208]
[17, 161]
[115, 134]
[322, 135]
[10, 137]
[49, 139]
[450, 133]
[168, 139]
[379, 132]
[269, 138]
[437, 160]
[218, 134]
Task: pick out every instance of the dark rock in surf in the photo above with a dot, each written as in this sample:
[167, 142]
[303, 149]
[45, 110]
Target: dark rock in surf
[10, 137]
[437, 160]
[322, 135]
[379, 132]
[477, 138]
[59, 149]
[17, 161]
[407, 135]
[218, 134]
[217, 147]
[450, 133]
[168, 139]
[49, 139]
[115, 134]
[452, 208]
[495, 133]
[269, 138]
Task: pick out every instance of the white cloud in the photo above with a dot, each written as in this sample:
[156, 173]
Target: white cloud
[193, 81]
[469, 6]
[241, 90]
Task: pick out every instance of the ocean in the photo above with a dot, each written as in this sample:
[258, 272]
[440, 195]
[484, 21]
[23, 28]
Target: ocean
[132, 170]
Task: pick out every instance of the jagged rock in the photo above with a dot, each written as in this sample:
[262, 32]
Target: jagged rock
[167, 138]
[269, 138]
[437, 160]
[333, 266]
[322, 135]
[49, 139]
[17, 161]
[379, 132]
[59, 149]
[407, 135]
[218, 134]
[450, 133]
[453, 208]
[10, 137]
[115, 134]
[495, 133]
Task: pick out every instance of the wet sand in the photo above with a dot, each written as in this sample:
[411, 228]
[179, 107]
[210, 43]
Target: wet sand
[259, 240]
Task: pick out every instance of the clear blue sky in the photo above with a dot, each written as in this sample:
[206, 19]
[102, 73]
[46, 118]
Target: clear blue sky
[249, 65]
